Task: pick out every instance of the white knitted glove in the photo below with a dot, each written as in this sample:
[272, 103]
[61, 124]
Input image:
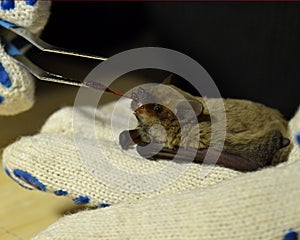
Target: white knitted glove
[16, 84]
[51, 157]
[223, 204]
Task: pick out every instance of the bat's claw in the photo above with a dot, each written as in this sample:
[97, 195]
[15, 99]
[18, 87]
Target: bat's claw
[285, 142]
[125, 140]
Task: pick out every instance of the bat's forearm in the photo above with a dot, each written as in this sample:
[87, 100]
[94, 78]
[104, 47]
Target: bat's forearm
[129, 138]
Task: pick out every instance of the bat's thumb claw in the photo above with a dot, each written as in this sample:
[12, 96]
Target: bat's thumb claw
[285, 142]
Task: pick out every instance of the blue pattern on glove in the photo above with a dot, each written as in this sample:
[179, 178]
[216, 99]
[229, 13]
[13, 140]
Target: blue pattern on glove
[298, 138]
[12, 50]
[4, 78]
[10, 4]
[104, 205]
[81, 200]
[291, 235]
[8, 174]
[61, 192]
[7, 4]
[6, 24]
[28, 178]
[30, 2]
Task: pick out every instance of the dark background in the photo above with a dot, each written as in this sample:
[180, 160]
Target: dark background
[251, 50]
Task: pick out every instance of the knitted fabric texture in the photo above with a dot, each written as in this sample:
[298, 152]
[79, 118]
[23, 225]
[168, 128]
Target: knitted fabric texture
[223, 205]
[260, 205]
[31, 16]
[53, 158]
[18, 96]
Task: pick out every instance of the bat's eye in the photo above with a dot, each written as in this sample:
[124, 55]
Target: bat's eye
[157, 108]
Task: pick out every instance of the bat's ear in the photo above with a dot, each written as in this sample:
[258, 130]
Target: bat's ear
[168, 79]
[184, 111]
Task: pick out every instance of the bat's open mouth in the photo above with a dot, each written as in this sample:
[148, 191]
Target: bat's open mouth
[138, 117]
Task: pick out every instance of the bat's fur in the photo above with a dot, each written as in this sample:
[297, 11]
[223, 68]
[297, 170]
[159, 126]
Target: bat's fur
[253, 131]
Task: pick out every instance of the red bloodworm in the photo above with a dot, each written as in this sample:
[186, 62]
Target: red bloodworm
[101, 87]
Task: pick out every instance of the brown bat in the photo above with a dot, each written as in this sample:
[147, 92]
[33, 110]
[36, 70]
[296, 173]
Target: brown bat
[256, 135]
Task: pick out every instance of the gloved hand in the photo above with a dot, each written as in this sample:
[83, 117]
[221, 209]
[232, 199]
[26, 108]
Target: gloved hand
[54, 164]
[146, 204]
[16, 84]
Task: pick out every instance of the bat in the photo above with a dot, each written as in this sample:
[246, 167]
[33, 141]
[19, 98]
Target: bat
[256, 135]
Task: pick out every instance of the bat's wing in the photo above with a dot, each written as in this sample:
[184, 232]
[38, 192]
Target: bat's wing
[198, 155]
[130, 138]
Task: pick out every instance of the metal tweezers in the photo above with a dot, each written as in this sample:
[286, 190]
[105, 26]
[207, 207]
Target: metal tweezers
[9, 31]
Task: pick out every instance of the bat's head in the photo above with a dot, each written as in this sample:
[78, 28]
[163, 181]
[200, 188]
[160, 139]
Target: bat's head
[149, 111]
[152, 113]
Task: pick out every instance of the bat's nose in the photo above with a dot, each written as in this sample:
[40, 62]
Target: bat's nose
[140, 110]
